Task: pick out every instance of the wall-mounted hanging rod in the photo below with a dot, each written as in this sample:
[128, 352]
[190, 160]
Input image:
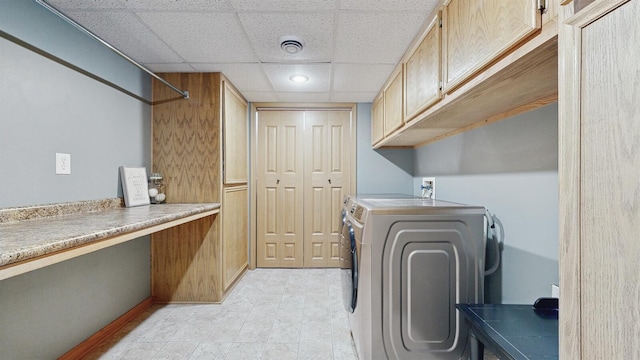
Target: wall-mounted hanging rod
[64, 17]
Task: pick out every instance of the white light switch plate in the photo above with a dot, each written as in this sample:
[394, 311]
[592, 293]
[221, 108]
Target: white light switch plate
[63, 164]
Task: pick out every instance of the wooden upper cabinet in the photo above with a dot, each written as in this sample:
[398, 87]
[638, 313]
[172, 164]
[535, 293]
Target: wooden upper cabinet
[477, 32]
[235, 115]
[377, 120]
[423, 72]
[393, 119]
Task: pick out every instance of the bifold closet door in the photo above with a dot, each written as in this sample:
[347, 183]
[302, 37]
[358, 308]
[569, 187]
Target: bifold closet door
[279, 189]
[327, 170]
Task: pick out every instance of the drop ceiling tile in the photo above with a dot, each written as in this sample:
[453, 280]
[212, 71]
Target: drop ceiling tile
[84, 4]
[266, 29]
[283, 5]
[202, 37]
[357, 97]
[260, 96]
[170, 67]
[207, 5]
[318, 74]
[303, 97]
[389, 5]
[126, 33]
[375, 38]
[360, 77]
[242, 76]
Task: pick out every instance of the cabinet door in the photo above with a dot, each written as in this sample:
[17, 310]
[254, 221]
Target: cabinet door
[235, 117]
[423, 72]
[377, 120]
[477, 32]
[598, 173]
[235, 224]
[393, 118]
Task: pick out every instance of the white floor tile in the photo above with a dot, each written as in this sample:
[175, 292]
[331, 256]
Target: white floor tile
[271, 314]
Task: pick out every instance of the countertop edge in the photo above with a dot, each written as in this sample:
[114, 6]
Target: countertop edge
[137, 221]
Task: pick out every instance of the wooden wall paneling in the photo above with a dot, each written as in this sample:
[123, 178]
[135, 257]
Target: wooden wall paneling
[235, 231]
[235, 136]
[476, 33]
[183, 260]
[186, 138]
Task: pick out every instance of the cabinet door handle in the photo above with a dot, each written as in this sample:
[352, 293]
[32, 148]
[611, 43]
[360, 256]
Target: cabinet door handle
[277, 181]
[329, 181]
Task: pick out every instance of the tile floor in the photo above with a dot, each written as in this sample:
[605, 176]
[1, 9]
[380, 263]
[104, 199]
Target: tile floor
[271, 314]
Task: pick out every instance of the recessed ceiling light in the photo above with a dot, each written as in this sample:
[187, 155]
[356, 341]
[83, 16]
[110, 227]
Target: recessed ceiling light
[299, 78]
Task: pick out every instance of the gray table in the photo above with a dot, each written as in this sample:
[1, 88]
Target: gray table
[512, 331]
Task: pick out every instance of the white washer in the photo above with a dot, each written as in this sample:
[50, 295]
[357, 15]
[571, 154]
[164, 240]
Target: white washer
[406, 263]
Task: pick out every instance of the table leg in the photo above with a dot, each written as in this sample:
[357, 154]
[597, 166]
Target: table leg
[477, 348]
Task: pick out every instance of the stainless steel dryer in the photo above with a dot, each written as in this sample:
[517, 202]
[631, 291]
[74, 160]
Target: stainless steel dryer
[406, 263]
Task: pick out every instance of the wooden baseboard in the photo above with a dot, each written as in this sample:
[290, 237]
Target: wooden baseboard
[98, 338]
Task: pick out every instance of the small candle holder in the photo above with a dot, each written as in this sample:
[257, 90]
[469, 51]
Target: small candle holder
[157, 189]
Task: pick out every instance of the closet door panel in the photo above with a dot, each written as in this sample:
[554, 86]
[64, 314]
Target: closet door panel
[279, 189]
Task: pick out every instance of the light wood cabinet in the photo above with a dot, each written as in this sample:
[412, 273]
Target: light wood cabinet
[476, 32]
[377, 119]
[498, 61]
[599, 208]
[235, 226]
[393, 118]
[235, 136]
[423, 72]
[194, 140]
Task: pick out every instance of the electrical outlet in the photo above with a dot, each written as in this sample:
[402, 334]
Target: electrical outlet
[63, 164]
[555, 291]
[428, 187]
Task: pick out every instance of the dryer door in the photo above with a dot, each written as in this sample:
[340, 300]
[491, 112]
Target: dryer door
[349, 266]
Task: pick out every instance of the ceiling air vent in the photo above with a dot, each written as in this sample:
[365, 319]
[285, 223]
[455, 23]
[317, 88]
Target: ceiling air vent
[291, 44]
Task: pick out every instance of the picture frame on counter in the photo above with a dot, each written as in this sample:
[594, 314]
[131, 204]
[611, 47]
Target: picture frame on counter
[135, 187]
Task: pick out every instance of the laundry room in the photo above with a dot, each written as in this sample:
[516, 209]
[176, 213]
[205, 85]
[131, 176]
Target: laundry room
[303, 179]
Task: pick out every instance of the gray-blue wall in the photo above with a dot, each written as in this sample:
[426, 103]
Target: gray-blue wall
[510, 167]
[47, 107]
[380, 171]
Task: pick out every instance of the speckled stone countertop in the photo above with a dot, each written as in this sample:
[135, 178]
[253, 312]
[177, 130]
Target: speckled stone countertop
[27, 233]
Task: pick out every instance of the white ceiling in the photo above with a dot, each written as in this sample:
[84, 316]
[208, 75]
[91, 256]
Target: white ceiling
[350, 46]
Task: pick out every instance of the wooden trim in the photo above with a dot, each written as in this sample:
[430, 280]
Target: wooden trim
[569, 69]
[54, 258]
[593, 12]
[253, 129]
[495, 118]
[106, 332]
